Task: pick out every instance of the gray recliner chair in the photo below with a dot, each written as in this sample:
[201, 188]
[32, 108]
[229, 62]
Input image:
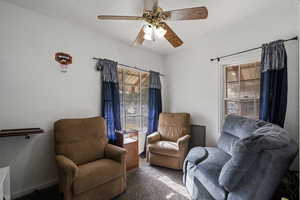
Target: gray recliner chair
[248, 164]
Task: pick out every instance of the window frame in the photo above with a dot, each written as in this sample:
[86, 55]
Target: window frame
[226, 62]
[239, 82]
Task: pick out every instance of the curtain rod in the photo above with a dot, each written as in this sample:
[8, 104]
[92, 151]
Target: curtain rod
[229, 55]
[136, 68]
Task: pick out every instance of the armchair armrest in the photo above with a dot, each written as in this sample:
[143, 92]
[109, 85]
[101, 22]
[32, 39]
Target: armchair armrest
[183, 141]
[67, 166]
[153, 137]
[115, 153]
[67, 172]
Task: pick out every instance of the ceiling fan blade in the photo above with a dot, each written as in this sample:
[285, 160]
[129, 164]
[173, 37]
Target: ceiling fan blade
[114, 17]
[140, 38]
[188, 13]
[171, 36]
[150, 4]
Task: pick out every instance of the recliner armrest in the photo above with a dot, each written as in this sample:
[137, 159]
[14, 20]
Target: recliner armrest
[153, 137]
[67, 166]
[183, 141]
[196, 155]
[115, 153]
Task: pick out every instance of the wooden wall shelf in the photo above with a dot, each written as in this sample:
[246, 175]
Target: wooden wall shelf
[21, 132]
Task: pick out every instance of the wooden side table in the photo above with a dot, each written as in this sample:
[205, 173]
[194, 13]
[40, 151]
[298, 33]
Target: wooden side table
[129, 140]
[4, 183]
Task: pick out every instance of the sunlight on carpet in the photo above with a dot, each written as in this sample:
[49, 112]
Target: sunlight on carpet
[174, 186]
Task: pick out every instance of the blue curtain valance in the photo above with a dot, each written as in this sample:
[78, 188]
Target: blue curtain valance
[155, 80]
[273, 56]
[109, 70]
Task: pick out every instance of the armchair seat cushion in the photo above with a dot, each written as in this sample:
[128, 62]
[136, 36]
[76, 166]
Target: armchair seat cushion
[208, 171]
[96, 173]
[165, 148]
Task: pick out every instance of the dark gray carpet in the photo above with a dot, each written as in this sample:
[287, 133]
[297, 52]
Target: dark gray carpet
[145, 183]
[154, 183]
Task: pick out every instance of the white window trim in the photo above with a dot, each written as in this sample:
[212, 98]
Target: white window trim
[235, 60]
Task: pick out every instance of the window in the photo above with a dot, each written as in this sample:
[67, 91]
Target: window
[242, 90]
[134, 86]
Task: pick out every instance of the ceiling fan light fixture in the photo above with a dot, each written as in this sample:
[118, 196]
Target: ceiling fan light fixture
[148, 36]
[160, 32]
[148, 30]
[155, 26]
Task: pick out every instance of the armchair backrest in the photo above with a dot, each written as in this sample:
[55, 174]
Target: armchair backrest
[236, 127]
[261, 154]
[172, 126]
[81, 140]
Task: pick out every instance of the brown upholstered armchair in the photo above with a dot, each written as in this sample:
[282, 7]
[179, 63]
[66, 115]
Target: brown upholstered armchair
[89, 168]
[169, 145]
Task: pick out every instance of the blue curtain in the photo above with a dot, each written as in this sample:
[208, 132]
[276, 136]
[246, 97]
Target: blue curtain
[154, 105]
[274, 83]
[110, 104]
[155, 102]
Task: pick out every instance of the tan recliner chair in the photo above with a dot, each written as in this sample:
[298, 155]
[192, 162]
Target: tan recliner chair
[89, 168]
[169, 145]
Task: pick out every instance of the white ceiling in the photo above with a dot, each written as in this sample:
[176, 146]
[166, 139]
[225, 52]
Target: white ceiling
[222, 13]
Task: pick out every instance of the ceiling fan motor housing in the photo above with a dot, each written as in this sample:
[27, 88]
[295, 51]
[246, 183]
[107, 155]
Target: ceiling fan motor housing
[155, 17]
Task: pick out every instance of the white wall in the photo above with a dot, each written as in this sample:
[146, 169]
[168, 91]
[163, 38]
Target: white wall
[34, 93]
[192, 79]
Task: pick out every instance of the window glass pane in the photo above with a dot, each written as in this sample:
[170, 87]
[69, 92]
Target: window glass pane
[144, 124]
[120, 75]
[131, 91]
[144, 101]
[145, 80]
[232, 73]
[250, 89]
[232, 107]
[132, 108]
[132, 123]
[250, 71]
[250, 108]
[131, 77]
[232, 90]
[131, 100]
[121, 108]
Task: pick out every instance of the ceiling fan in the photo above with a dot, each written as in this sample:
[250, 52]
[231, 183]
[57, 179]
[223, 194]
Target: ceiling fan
[156, 26]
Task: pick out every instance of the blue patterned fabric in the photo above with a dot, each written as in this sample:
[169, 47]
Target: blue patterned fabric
[274, 83]
[110, 97]
[155, 102]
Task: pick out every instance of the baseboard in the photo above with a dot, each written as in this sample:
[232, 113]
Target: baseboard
[32, 189]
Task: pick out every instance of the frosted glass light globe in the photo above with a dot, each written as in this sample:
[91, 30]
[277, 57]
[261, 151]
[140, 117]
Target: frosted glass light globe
[160, 32]
[148, 36]
[148, 29]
